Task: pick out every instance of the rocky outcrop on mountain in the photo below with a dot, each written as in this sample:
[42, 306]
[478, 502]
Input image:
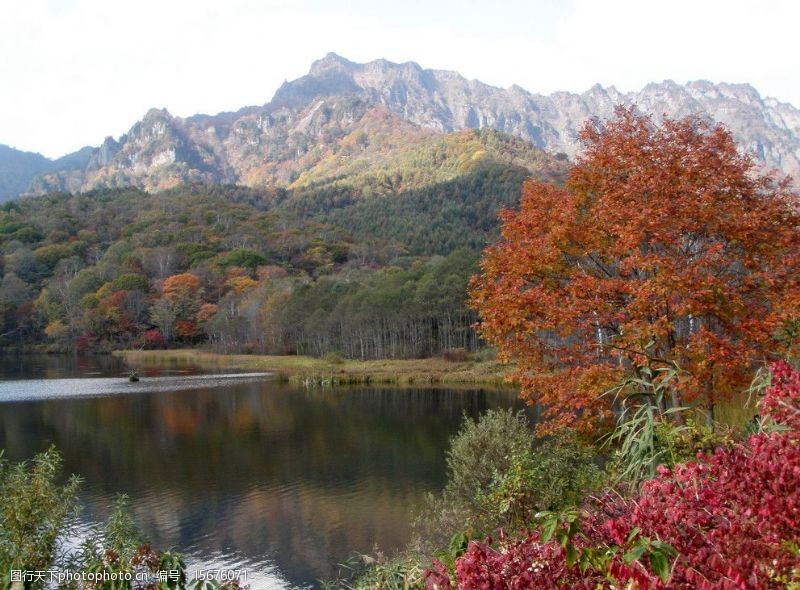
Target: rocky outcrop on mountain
[155, 154]
[344, 117]
[275, 145]
[446, 101]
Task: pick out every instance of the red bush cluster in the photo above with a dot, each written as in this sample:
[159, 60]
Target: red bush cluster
[782, 398]
[732, 516]
[153, 338]
[526, 563]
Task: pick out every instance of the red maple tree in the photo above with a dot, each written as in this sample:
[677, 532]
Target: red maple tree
[665, 245]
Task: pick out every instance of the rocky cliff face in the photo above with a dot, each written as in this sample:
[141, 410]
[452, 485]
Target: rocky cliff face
[278, 144]
[446, 101]
[344, 115]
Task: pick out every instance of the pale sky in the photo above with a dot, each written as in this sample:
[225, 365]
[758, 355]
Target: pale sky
[75, 71]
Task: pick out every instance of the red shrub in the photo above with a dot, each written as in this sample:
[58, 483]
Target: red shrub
[154, 338]
[523, 564]
[782, 397]
[730, 516]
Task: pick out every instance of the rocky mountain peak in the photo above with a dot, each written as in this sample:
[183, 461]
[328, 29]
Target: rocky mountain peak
[446, 101]
[331, 62]
[382, 101]
[104, 155]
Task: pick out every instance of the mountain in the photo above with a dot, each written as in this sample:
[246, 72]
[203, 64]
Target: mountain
[345, 119]
[346, 215]
[445, 101]
[17, 168]
[331, 139]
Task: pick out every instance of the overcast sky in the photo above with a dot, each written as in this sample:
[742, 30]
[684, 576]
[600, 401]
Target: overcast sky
[75, 71]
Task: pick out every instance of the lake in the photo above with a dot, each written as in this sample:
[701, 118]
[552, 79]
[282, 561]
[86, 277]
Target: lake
[240, 471]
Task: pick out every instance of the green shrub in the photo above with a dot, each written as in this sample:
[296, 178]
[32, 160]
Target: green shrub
[116, 547]
[483, 448]
[645, 423]
[500, 476]
[682, 444]
[333, 358]
[37, 513]
[403, 572]
[551, 476]
[478, 452]
[35, 510]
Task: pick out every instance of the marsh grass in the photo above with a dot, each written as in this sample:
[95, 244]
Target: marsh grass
[315, 372]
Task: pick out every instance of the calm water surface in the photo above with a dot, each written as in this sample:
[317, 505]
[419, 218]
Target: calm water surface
[239, 471]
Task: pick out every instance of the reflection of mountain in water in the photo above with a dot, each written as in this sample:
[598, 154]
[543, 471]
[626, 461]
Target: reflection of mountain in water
[260, 474]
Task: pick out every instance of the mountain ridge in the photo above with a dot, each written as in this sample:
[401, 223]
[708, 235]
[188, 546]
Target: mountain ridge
[766, 127]
[314, 119]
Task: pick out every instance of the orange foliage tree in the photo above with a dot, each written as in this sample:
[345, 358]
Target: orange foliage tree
[665, 246]
[183, 294]
[181, 286]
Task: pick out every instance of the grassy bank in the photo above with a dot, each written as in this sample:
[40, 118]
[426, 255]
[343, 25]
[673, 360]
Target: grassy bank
[320, 372]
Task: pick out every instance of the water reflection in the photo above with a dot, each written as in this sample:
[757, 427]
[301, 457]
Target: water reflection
[254, 474]
[18, 390]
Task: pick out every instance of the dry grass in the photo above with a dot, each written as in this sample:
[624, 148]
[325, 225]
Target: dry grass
[314, 371]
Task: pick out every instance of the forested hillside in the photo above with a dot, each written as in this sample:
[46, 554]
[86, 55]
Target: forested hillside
[370, 264]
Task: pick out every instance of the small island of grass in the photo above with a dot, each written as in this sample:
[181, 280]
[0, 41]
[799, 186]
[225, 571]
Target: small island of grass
[332, 369]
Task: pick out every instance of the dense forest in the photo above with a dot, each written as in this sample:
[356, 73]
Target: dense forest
[374, 265]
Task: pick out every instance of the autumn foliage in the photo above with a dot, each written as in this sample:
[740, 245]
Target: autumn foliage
[181, 286]
[732, 517]
[665, 243]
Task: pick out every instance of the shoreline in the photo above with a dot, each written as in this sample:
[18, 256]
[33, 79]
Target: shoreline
[317, 372]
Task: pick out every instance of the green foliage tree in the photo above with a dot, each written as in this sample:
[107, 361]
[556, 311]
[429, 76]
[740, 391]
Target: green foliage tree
[243, 257]
[130, 282]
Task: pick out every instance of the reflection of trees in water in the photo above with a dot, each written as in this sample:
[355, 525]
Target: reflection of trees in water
[41, 366]
[298, 477]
